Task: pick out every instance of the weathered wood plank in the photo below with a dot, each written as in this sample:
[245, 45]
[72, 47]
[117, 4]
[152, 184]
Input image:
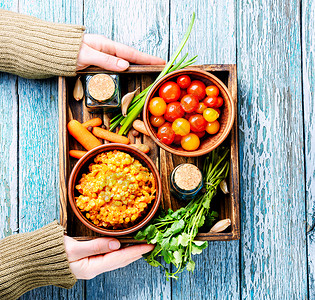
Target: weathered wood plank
[308, 67]
[38, 152]
[8, 144]
[8, 157]
[213, 39]
[38, 142]
[143, 25]
[273, 246]
[9, 149]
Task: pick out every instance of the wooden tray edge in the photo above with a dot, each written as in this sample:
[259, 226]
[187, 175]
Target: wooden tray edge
[235, 158]
[158, 68]
[207, 237]
[63, 151]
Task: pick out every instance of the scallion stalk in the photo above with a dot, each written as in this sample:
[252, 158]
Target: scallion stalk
[138, 102]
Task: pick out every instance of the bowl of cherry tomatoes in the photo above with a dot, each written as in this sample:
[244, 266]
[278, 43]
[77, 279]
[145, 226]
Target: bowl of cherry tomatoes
[189, 112]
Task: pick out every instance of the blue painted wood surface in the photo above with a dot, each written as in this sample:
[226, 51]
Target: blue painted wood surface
[273, 44]
[308, 68]
[273, 252]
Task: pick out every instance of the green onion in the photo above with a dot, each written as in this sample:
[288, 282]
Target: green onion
[138, 102]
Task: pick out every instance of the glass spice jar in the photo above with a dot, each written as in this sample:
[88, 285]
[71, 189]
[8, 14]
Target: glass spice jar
[186, 181]
[102, 92]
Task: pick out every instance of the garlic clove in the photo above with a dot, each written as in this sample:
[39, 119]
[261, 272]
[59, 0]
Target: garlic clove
[126, 100]
[220, 226]
[78, 90]
[224, 187]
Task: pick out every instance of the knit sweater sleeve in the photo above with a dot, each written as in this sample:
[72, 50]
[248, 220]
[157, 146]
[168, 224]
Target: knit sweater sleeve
[31, 260]
[34, 48]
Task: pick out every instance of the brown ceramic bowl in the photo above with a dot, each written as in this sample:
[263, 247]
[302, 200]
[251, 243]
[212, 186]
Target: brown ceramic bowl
[82, 167]
[226, 119]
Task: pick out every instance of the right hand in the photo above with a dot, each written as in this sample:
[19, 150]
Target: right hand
[100, 51]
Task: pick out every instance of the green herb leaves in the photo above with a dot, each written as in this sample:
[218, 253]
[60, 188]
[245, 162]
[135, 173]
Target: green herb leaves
[173, 233]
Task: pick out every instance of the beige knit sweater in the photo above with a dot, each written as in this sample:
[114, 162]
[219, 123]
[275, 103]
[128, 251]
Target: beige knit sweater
[31, 260]
[33, 48]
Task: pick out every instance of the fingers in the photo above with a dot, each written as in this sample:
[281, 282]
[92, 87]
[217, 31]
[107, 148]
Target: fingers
[105, 45]
[123, 257]
[90, 267]
[119, 259]
[89, 56]
[80, 249]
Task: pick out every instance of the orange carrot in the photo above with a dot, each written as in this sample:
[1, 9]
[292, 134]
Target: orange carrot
[110, 136]
[82, 135]
[77, 153]
[139, 126]
[92, 122]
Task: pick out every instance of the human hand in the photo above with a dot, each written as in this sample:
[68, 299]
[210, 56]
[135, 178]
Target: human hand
[90, 258]
[100, 51]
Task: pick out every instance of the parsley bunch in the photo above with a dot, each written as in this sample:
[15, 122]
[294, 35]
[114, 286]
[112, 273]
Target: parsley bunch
[173, 233]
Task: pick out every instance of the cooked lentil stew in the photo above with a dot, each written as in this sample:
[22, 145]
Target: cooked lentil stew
[116, 191]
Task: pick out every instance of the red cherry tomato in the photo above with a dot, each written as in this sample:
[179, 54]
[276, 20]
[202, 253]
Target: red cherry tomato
[210, 114]
[157, 121]
[157, 106]
[182, 93]
[220, 101]
[173, 112]
[183, 81]
[187, 116]
[198, 89]
[197, 123]
[177, 139]
[213, 127]
[189, 103]
[211, 101]
[201, 107]
[218, 111]
[166, 134]
[169, 91]
[200, 134]
[212, 91]
[181, 126]
[190, 142]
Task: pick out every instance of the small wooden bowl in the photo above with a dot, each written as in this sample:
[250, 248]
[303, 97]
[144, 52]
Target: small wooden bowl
[82, 167]
[226, 117]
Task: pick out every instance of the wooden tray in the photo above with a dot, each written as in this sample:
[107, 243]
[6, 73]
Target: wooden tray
[226, 205]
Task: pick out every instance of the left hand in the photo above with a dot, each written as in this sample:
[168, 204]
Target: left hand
[100, 51]
[90, 258]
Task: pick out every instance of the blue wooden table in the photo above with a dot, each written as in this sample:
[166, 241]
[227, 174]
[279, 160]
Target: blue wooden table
[273, 44]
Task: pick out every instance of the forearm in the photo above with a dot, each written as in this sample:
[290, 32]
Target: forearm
[31, 260]
[33, 48]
